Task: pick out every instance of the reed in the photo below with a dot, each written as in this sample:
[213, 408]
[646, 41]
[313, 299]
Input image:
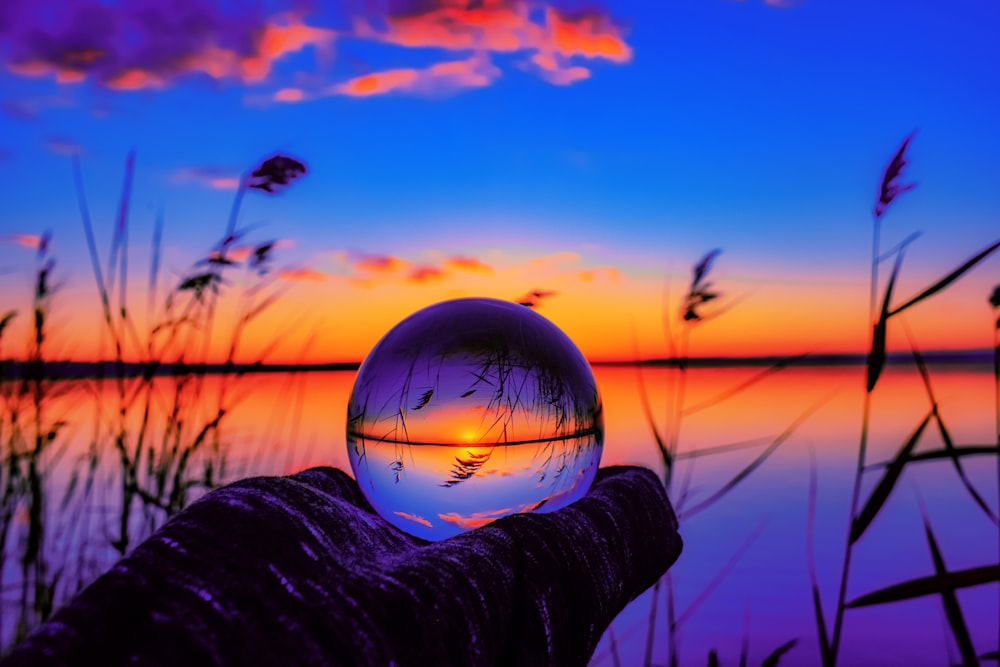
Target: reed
[700, 304]
[994, 301]
[863, 516]
[863, 512]
[168, 447]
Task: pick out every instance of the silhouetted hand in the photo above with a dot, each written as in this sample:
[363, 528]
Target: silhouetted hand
[301, 570]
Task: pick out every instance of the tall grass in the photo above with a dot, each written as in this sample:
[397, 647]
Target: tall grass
[164, 431]
[862, 516]
[882, 309]
[699, 305]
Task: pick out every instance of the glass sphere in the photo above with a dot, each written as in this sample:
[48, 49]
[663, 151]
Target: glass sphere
[470, 410]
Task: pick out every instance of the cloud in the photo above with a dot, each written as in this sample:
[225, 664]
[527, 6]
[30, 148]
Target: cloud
[378, 83]
[507, 26]
[499, 26]
[215, 177]
[32, 241]
[475, 520]
[475, 72]
[147, 43]
[554, 70]
[415, 518]
[471, 264]
[457, 25]
[560, 271]
[302, 274]
[425, 274]
[380, 264]
[290, 95]
[590, 34]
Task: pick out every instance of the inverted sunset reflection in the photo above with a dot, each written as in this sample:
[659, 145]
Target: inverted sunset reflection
[470, 410]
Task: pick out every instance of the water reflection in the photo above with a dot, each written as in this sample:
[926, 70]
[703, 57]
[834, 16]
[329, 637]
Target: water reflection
[62, 513]
[469, 410]
[436, 491]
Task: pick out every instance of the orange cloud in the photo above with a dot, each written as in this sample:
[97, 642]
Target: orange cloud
[587, 34]
[415, 518]
[502, 26]
[279, 40]
[70, 76]
[475, 72]
[150, 49]
[497, 25]
[275, 40]
[471, 264]
[302, 274]
[496, 273]
[381, 264]
[476, 520]
[425, 274]
[378, 82]
[289, 95]
[32, 241]
[133, 79]
[552, 70]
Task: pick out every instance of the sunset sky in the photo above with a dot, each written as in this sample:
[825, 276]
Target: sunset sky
[492, 148]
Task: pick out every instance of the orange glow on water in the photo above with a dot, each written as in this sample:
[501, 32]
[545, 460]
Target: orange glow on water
[282, 423]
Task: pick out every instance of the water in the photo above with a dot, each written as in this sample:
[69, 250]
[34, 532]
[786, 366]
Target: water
[436, 491]
[281, 423]
[470, 410]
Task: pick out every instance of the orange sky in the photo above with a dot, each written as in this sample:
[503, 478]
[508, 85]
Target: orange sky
[338, 313]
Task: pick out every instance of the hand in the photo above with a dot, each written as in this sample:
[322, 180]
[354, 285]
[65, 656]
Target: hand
[301, 570]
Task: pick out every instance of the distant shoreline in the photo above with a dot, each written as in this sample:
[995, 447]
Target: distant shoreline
[71, 370]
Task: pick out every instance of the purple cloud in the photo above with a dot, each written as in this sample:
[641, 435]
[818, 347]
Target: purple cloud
[147, 43]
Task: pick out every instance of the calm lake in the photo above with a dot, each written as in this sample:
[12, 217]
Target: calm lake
[64, 522]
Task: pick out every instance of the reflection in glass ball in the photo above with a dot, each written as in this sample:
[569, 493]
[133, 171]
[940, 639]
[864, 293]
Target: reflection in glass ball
[470, 410]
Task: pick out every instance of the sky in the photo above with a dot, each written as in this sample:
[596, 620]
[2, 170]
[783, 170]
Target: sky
[592, 152]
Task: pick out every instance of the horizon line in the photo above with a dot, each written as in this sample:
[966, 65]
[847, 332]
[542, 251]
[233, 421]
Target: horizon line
[72, 369]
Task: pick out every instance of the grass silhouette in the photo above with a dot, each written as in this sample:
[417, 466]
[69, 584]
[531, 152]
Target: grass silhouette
[690, 314]
[862, 517]
[167, 445]
[862, 512]
[166, 432]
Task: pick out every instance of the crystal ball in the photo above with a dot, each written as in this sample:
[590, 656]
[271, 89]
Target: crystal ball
[470, 410]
